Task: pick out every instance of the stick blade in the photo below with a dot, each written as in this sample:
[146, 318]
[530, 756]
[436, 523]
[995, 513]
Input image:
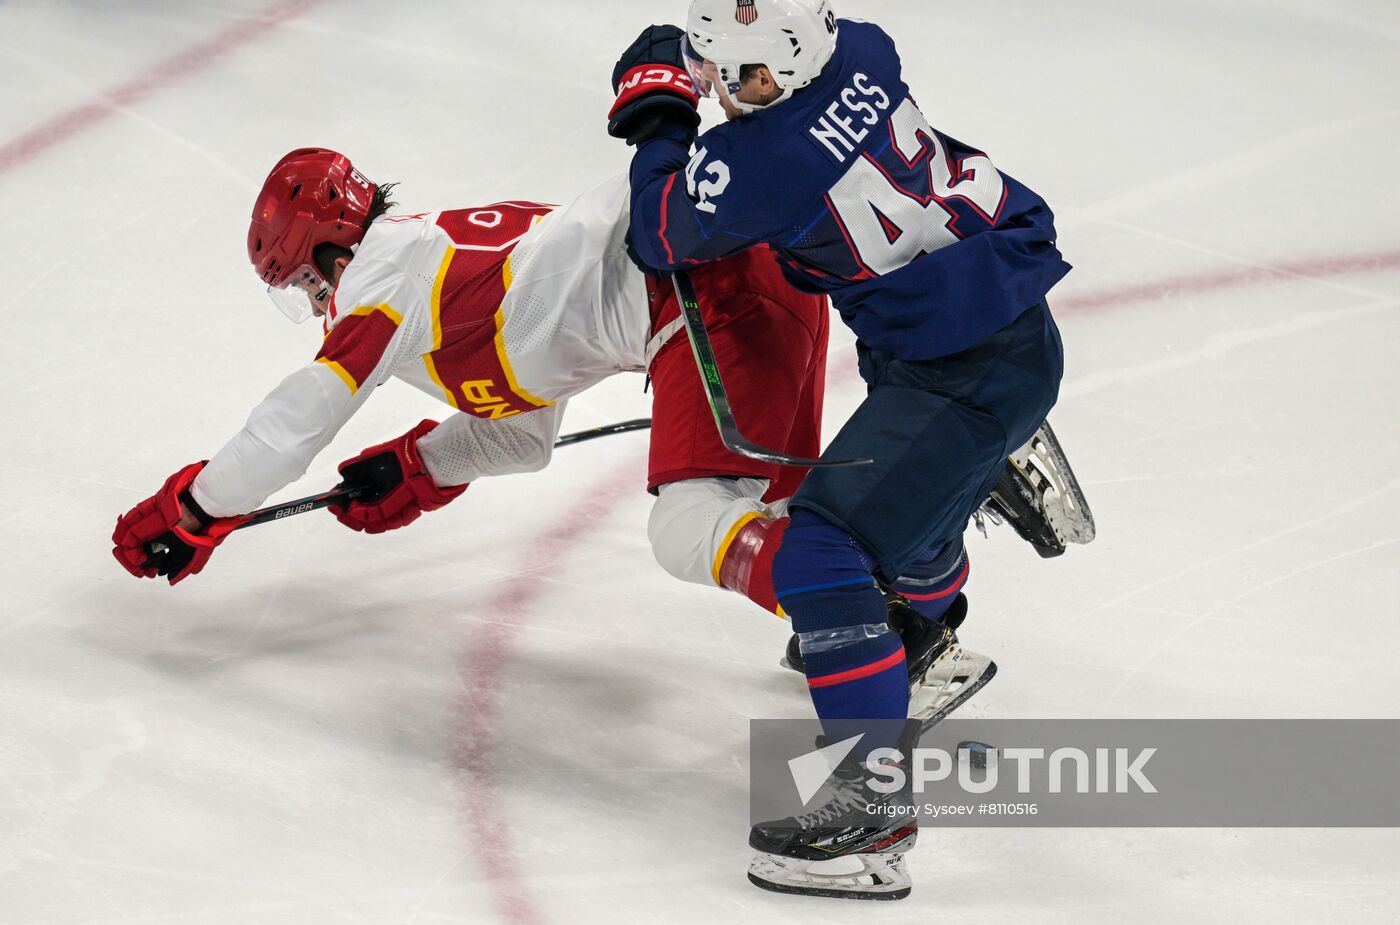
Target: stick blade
[738, 444]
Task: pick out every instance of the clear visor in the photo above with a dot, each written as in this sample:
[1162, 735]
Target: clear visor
[304, 294]
[702, 73]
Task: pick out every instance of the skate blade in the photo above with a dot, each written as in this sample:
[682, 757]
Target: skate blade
[878, 876]
[1044, 466]
[958, 691]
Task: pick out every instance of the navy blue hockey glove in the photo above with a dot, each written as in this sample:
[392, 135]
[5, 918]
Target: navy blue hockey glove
[653, 87]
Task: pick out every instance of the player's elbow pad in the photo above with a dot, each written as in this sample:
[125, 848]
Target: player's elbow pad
[647, 255]
[465, 449]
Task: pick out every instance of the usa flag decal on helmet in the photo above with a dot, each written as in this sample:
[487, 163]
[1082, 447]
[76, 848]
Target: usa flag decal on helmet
[747, 13]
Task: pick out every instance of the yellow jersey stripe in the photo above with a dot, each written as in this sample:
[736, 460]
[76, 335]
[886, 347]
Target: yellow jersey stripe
[436, 305]
[501, 349]
[367, 310]
[339, 370]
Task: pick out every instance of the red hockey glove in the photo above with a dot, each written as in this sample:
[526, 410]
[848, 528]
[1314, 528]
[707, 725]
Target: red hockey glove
[653, 87]
[149, 540]
[395, 487]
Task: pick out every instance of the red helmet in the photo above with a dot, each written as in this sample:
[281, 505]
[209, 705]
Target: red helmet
[313, 196]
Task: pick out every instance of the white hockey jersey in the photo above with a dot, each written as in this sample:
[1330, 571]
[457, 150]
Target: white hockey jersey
[498, 310]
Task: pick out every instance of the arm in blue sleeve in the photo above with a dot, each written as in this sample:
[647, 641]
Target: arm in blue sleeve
[685, 213]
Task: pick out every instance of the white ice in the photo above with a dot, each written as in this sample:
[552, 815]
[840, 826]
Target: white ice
[508, 713]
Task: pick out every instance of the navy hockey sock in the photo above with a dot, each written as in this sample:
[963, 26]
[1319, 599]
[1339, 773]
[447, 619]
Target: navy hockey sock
[933, 581]
[853, 661]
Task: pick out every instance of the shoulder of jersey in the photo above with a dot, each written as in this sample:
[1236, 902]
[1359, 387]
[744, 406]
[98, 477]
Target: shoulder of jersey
[393, 234]
[726, 141]
[385, 255]
[864, 31]
[858, 26]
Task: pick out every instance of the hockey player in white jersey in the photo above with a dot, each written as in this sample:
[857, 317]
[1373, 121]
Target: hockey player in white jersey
[503, 312]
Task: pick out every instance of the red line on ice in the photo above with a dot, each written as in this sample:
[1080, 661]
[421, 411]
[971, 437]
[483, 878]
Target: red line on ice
[486, 666]
[1295, 271]
[484, 671]
[183, 64]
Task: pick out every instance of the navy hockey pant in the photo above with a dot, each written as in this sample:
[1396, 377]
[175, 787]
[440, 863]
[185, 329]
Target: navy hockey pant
[940, 432]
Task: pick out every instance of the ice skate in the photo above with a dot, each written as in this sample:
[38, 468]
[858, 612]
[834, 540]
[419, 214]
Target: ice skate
[942, 674]
[1038, 495]
[840, 849]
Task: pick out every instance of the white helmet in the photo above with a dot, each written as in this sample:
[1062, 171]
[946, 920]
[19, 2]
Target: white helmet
[793, 38]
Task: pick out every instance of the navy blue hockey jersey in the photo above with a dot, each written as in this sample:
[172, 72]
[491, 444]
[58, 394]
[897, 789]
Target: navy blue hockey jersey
[924, 246]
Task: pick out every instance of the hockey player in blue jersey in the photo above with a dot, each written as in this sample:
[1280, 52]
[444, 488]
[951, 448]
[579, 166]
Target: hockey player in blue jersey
[939, 262]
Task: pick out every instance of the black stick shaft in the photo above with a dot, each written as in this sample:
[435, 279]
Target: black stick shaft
[299, 506]
[604, 431]
[338, 495]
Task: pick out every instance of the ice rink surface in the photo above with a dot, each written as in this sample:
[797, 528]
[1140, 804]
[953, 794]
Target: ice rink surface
[509, 713]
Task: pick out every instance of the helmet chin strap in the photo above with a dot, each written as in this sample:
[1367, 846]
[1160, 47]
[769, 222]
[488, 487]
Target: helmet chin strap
[323, 301]
[749, 109]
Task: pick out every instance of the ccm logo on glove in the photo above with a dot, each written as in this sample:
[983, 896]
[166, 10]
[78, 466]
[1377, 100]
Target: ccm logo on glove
[646, 78]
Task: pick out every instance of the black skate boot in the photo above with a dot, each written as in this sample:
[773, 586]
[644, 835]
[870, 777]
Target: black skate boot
[1039, 496]
[924, 640]
[841, 849]
[942, 674]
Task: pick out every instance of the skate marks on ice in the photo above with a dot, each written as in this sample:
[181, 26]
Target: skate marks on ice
[54, 131]
[1217, 346]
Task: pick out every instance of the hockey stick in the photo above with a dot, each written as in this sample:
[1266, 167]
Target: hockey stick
[337, 495]
[714, 387]
[604, 431]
